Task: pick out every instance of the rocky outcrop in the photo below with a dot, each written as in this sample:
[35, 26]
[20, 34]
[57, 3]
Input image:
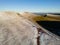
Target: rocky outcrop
[16, 30]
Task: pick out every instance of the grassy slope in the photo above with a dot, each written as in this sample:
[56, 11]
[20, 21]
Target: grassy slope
[35, 18]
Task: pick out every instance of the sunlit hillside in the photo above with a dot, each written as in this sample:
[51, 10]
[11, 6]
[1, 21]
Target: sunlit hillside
[48, 17]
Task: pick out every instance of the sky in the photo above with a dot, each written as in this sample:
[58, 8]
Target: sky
[30, 5]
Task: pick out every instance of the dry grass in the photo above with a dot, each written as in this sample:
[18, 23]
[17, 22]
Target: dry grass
[35, 18]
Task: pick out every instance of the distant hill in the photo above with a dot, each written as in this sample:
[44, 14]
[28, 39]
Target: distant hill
[55, 13]
[47, 13]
